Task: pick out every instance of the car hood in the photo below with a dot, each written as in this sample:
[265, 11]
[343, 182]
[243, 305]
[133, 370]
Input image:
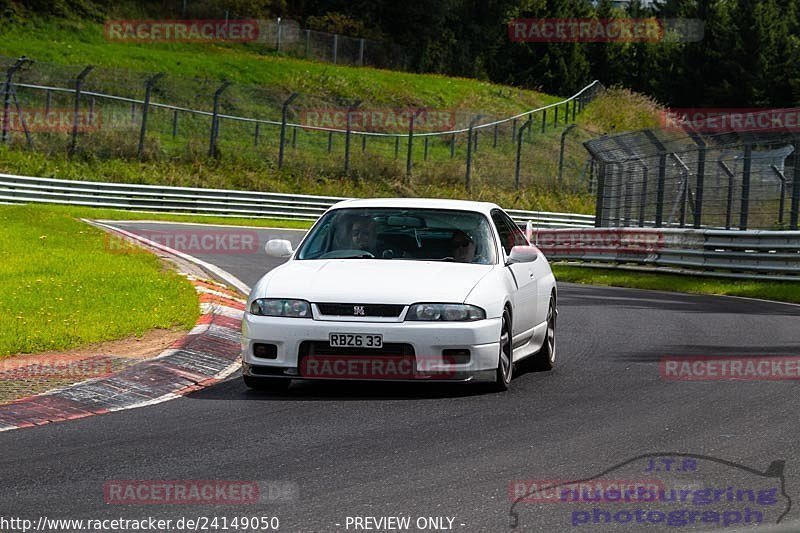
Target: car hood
[372, 281]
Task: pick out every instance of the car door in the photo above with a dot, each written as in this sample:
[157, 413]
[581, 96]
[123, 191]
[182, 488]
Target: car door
[525, 299]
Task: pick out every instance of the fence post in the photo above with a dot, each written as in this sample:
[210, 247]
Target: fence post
[574, 110]
[308, 41]
[561, 152]
[729, 204]
[782, 179]
[566, 115]
[7, 94]
[284, 115]
[148, 88]
[256, 134]
[396, 147]
[425, 152]
[700, 176]
[452, 146]
[544, 119]
[513, 130]
[294, 137]
[330, 141]
[409, 156]
[78, 83]
[48, 102]
[744, 211]
[212, 145]
[527, 125]
[361, 52]
[555, 119]
[468, 176]
[494, 140]
[795, 207]
[349, 122]
[601, 185]
[335, 47]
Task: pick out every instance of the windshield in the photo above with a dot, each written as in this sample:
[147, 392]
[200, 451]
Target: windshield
[401, 233]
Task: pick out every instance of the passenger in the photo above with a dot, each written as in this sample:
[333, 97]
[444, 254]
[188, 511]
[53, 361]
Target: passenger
[463, 247]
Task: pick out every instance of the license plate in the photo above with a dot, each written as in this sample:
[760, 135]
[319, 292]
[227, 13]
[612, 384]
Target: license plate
[355, 340]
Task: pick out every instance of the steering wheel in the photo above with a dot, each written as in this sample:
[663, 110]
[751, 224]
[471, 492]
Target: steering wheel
[334, 254]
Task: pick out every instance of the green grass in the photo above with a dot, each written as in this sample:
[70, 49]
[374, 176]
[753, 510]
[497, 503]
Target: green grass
[74, 42]
[306, 176]
[768, 290]
[62, 288]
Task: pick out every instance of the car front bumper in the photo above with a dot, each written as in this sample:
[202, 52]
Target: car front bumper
[428, 340]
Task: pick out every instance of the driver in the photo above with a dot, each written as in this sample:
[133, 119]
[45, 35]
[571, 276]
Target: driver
[364, 234]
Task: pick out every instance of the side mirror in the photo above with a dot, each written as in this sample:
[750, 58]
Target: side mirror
[522, 254]
[278, 248]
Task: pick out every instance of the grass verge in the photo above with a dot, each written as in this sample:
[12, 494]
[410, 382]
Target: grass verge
[63, 289]
[782, 291]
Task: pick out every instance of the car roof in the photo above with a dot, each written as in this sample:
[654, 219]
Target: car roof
[422, 203]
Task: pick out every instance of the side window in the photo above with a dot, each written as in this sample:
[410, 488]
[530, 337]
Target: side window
[506, 235]
[510, 234]
[519, 237]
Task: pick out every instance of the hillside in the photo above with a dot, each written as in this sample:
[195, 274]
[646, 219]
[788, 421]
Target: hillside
[176, 151]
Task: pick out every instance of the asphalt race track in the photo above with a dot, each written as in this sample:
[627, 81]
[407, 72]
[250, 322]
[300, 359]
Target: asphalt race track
[423, 451]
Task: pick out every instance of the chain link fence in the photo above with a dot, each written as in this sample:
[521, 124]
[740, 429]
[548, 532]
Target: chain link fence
[677, 178]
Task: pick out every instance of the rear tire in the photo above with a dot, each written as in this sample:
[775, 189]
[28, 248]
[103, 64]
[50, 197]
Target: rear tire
[267, 384]
[545, 358]
[505, 364]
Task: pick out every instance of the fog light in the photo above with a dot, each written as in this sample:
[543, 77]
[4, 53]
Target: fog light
[456, 357]
[265, 351]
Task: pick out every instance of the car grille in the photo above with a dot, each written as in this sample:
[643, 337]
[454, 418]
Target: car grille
[339, 309]
[324, 348]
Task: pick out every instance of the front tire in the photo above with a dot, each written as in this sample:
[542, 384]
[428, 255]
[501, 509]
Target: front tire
[545, 358]
[267, 384]
[505, 364]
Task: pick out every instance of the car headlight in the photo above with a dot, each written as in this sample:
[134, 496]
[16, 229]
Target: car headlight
[280, 307]
[445, 312]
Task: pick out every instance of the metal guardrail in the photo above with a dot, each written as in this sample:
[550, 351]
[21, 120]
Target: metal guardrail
[754, 254]
[217, 202]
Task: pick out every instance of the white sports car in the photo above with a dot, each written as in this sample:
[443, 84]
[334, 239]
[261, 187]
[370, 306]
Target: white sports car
[402, 289]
